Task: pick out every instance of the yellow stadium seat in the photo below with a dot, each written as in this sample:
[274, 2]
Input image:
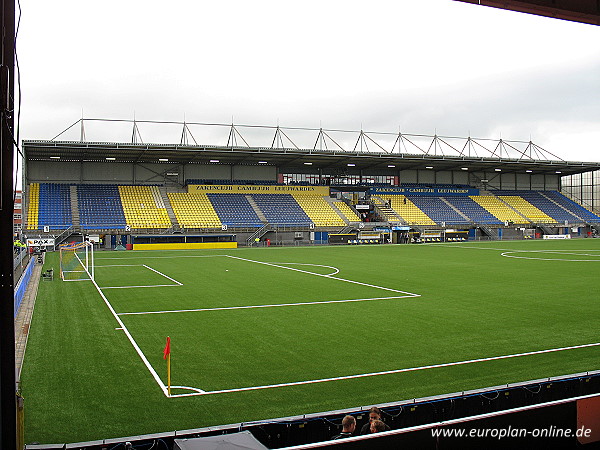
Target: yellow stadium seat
[318, 210]
[143, 207]
[348, 213]
[194, 210]
[410, 213]
[499, 209]
[527, 209]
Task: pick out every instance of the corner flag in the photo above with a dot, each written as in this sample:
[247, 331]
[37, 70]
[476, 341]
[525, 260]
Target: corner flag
[167, 350]
[167, 356]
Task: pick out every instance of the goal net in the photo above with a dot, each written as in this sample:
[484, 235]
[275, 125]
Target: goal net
[77, 261]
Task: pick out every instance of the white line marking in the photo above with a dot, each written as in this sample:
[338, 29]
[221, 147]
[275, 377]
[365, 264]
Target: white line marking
[388, 372]
[160, 257]
[189, 389]
[508, 255]
[130, 337]
[200, 391]
[335, 269]
[225, 308]
[321, 275]
[145, 286]
[119, 265]
[160, 273]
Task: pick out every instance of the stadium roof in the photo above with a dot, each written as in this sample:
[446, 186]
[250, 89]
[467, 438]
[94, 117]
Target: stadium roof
[292, 159]
[585, 11]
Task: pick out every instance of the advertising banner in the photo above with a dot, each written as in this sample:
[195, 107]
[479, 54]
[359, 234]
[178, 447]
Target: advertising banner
[256, 189]
[423, 191]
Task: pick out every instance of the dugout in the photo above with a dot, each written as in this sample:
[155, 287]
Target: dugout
[183, 241]
[342, 238]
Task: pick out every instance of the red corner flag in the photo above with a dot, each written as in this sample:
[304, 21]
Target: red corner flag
[167, 350]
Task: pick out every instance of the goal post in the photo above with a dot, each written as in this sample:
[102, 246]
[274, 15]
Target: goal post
[77, 261]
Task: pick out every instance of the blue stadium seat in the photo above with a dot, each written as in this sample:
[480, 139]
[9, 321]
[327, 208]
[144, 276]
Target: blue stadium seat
[437, 209]
[100, 207]
[234, 210]
[473, 210]
[554, 204]
[281, 209]
[55, 206]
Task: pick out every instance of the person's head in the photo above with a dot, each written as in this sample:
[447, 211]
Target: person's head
[377, 426]
[348, 424]
[374, 414]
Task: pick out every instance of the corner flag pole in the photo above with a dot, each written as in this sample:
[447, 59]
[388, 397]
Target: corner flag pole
[167, 356]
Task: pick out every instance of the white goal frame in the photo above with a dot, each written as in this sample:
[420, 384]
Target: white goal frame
[77, 261]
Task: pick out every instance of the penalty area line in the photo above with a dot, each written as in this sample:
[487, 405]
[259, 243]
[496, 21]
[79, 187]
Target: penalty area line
[322, 275]
[387, 372]
[160, 273]
[277, 305]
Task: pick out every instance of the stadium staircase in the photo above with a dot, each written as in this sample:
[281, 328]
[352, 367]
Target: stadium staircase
[459, 212]
[384, 210]
[346, 212]
[169, 208]
[337, 210]
[75, 208]
[258, 234]
[546, 229]
[258, 212]
[487, 230]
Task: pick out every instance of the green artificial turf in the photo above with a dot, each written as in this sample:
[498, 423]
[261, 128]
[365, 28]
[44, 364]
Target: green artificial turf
[83, 379]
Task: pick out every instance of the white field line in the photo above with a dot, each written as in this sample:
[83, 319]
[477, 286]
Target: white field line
[119, 265]
[130, 337]
[189, 389]
[160, 273]
[159, 257]
[200, 391]
[523, 251]
[472, 246]
[226, 308]
[509, 255]
[144, 286]
[335, 269]
[387, 372]
[325, 276]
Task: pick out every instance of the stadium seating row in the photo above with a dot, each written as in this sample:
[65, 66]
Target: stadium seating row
[106, 206]
[50, 206]
[319, 211]
[34, 204]
[346, 211]
[100, 207]
[194, 210]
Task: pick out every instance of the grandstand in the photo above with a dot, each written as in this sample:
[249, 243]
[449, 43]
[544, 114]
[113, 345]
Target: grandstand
[280, 196]
[246, 322]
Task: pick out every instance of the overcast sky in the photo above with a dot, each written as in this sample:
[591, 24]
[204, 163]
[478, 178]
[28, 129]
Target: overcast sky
[422, 66]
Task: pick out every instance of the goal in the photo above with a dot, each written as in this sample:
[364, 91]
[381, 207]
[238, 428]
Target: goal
[77, 261]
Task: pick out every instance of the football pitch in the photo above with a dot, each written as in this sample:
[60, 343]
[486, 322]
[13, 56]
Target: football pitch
[263, 333]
